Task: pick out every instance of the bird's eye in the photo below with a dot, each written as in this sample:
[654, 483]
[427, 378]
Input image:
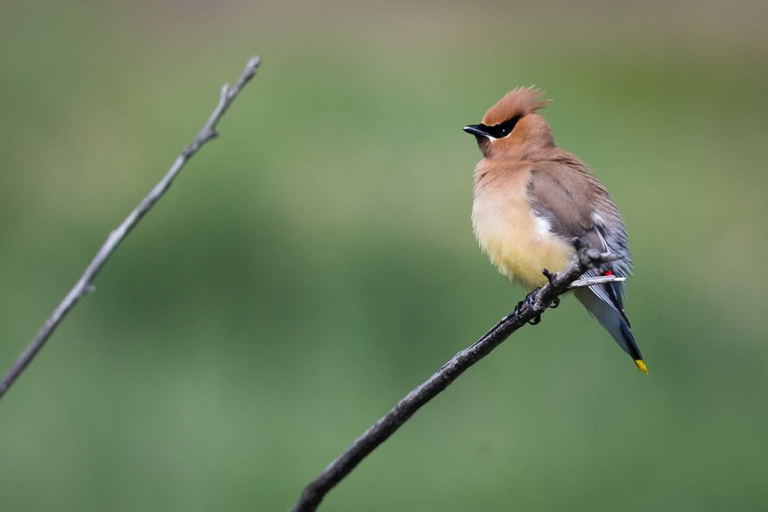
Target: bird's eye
[501, 130]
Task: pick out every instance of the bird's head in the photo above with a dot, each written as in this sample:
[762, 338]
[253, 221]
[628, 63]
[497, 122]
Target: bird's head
[512, 124]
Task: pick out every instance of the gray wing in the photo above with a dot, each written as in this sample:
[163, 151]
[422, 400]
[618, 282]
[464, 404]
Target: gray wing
[568, 195]
[576, 205]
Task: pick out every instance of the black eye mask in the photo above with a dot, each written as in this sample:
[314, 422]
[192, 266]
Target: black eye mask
[501, 130]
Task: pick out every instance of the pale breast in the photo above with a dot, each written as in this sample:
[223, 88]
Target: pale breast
[518, 242]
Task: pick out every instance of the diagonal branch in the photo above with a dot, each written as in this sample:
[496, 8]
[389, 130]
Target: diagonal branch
[535, 304]
[85, 284]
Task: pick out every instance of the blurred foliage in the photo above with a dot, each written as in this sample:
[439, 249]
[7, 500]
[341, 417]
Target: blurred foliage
[317, 262]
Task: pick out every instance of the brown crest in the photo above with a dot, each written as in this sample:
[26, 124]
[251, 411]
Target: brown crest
[517, 102]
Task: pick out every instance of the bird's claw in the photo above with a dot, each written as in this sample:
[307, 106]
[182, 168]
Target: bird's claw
[516, 311]
[555, 303]
[530, 301]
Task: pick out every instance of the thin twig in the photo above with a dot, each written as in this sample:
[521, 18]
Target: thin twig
[534, 305]
[85, 284]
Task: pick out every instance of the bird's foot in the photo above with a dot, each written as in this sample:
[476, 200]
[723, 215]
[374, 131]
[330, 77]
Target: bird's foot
[514, 312]
[529, 300]
[555, 303]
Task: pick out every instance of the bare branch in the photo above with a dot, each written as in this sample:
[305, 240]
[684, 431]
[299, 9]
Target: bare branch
[85, 284]
[534, 305]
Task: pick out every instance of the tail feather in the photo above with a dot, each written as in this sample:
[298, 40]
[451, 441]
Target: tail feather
[612, 318]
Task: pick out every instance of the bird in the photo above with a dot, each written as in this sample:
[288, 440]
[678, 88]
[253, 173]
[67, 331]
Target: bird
[535, 203]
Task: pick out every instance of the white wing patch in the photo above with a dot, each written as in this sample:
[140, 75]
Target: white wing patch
[543, 228]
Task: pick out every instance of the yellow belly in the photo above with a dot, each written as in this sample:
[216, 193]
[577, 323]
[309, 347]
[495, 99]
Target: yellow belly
[517, 242]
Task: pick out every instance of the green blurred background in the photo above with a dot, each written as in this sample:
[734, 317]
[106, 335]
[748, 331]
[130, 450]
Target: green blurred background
[317, 262]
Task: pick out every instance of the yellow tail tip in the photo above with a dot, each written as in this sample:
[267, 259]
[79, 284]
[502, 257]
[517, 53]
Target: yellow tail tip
[641, 366]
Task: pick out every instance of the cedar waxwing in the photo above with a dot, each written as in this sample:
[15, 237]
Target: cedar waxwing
[532, 199]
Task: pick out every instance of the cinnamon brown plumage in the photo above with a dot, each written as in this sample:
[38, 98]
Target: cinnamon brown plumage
[533, 198]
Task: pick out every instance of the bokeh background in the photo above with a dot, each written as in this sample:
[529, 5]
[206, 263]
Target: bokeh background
[317, 262]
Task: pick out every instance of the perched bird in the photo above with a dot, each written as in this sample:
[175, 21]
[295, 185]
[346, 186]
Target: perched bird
[533, 199]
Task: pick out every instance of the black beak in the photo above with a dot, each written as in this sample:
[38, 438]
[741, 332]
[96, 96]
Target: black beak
[478, 130]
